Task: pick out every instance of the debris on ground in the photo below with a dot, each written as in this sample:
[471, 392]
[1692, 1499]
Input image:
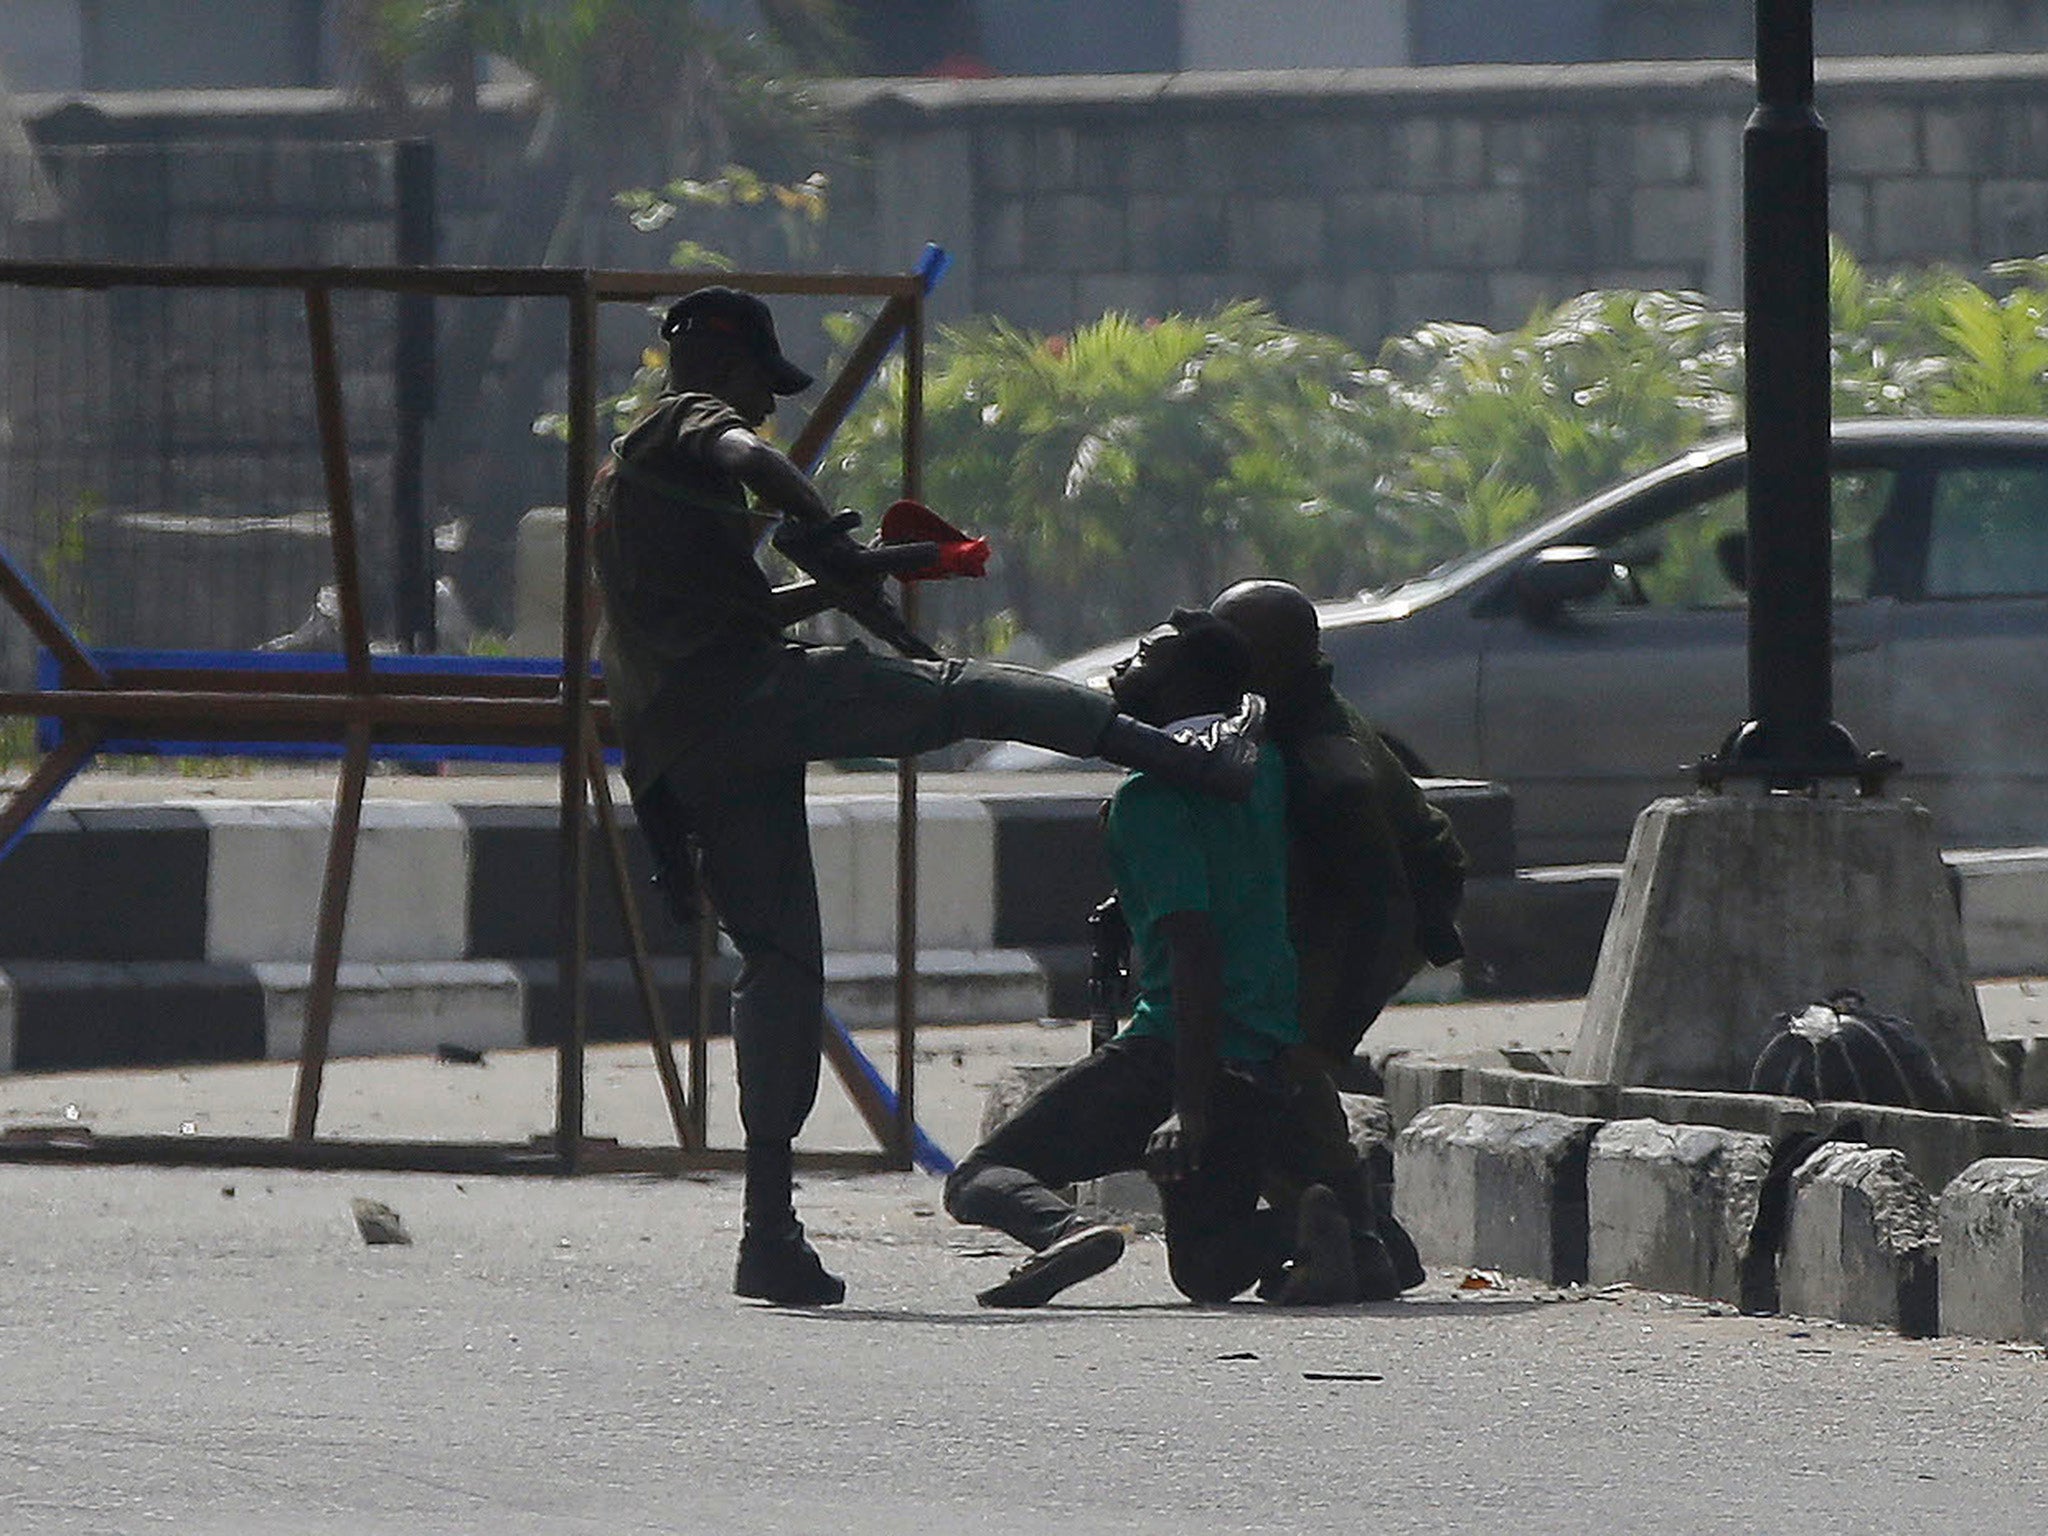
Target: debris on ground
[378, 1223]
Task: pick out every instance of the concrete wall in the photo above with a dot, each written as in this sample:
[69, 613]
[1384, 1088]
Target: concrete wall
[1366, 202]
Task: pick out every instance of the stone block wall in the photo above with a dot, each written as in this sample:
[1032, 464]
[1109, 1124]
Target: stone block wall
[1366, 202]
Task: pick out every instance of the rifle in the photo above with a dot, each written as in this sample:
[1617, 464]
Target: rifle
[915, 545]
[851, 575]
[1109, 971]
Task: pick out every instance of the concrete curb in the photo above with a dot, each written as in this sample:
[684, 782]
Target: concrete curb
[1007, 875]
[1676, 1208]
[1503, 1188]
[1861, 1241]
[78, 1015]
[1671, 1206]
[1994, 1250]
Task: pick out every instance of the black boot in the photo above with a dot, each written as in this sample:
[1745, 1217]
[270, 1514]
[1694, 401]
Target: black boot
[1221, 759]
[1324, 1273]
[776, 1264]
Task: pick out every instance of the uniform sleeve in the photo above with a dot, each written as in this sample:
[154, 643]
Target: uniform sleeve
[1430, 853]
[1157, 855]
[695, 423]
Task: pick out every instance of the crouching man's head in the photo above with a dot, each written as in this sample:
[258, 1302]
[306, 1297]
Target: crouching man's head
[1194, 664]
[1280, 622]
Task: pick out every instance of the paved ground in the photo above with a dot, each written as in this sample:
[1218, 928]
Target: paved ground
[216, 1352]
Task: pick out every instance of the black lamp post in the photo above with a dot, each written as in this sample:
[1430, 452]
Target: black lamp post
[1791, 739]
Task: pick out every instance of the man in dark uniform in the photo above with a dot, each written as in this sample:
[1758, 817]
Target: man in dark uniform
[1191, 1089]
[719, 712]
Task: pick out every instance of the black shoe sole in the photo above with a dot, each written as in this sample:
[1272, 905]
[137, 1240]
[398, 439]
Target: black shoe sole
[1069, 1261]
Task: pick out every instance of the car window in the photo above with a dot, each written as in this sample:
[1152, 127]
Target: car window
[1695, 557]
[1988, 535]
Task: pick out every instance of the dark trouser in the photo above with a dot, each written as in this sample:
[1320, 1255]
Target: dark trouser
[741, 790]
[1095, 1118]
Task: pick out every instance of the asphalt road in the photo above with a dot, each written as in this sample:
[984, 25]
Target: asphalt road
[217, 1352]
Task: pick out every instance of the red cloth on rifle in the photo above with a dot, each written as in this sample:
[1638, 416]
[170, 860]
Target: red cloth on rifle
[912, 522]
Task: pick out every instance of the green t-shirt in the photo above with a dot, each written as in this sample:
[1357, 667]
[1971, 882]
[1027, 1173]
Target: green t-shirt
[1177, 850]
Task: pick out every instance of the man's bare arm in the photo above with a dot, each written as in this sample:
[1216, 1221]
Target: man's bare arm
[770, 474]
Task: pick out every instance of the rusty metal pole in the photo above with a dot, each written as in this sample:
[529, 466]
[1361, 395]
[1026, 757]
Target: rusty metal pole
[573, 892]
[323, 985]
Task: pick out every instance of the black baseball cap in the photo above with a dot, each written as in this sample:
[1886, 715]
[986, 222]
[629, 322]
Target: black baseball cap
[741, 318]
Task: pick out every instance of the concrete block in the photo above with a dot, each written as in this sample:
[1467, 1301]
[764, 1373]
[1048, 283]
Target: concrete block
[1914, 217]
[1414, 1084]
[1671, 1206]
[6, 1023]
[2024, 1139]
[2004, 893]
[1016, 1083]
[398, 1009]
[1763, 1114]
[1861, 1239]
[1504, 1188]
[832, 864]
[1671, 223]
[106, 883]
[1936, 1147]
[1873, 140]
[611, 999]
[514, 853]
[71, 1015]
[955, 874]
[1735, 907]
[537, 582]
[1371, 1124]
[983, 986]
[409, 899]
[1541, 1091]
[1130, 1198]
[2034, 1075]
[1994, 1250]
[1536, 933]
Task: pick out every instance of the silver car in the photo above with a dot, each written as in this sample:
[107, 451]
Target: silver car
[1583, 662]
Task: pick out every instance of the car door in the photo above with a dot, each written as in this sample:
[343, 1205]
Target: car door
[1592, 711]
[1970, 655]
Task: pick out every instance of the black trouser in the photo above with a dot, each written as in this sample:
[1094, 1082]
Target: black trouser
[741, 790]
[1095, 1118]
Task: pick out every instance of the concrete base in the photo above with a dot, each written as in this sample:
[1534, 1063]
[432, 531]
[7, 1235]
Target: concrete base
[1672, 1206]
[1505, 1188]
[1860, 1242]
[1735, 908]
[1994, 1250]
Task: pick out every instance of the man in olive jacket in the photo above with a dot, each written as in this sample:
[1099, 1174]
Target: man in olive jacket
[1375, 873]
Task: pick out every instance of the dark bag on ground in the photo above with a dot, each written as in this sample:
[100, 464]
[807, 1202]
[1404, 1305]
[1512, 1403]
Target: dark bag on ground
[1841, 1049]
